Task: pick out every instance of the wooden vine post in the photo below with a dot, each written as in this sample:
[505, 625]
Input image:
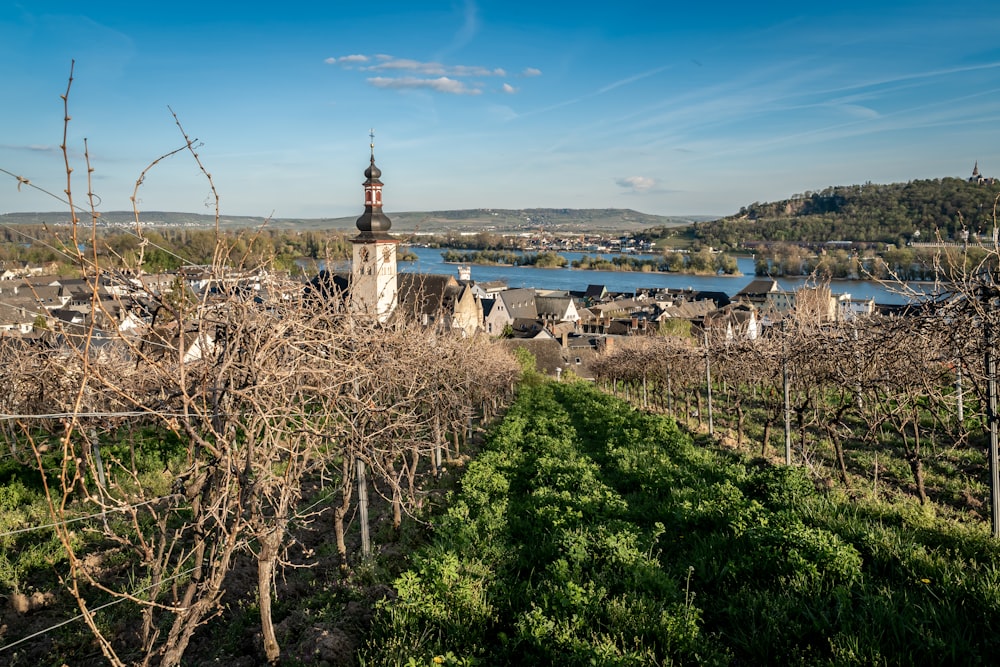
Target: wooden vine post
[788, 411]
[366, 543]
[991, 418]
[708, 383]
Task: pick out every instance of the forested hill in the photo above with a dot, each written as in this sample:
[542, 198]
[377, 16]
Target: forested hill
[862, 213]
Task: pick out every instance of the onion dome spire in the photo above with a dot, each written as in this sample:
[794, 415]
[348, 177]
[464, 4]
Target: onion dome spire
[373, 222]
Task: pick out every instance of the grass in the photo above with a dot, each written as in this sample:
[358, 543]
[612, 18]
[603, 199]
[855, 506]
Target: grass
[590, 533]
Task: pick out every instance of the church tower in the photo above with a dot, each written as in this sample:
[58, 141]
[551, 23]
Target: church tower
[373, 271]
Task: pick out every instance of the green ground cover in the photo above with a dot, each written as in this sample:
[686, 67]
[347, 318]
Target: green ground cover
[588, 532]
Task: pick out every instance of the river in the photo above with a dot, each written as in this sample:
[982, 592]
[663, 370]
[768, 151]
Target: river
[429, 261]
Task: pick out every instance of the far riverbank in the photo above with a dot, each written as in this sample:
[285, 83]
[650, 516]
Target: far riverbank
[429, 260]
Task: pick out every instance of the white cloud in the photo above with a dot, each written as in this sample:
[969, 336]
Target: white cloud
[388, 62]
[448, 77]
[441, 84]
[531, 71]
[637, 183]
[432, 68]
[349, 60]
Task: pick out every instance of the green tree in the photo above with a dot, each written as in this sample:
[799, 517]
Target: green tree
[726, 264]
[702, 261]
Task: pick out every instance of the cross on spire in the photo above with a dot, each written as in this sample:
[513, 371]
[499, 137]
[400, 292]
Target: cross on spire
[371, 135]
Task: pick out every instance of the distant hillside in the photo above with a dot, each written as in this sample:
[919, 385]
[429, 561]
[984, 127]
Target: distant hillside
[869, 213]
[164, 219]
[474, 220]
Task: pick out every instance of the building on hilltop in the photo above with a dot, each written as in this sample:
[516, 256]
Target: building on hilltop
[979, 179]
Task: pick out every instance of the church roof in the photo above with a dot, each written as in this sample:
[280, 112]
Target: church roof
[426, 293]
[552, 306]
[520, 302]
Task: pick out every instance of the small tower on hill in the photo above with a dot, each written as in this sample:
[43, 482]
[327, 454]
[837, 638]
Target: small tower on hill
[979, 179]
[373, 271]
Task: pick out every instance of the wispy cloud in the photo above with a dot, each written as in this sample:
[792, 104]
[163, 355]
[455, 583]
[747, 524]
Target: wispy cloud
[31, 148]
[600, 91]
[531, 71]
[502, 112]
[963, 111]
[754, 114]
[470, 25]
[637, 183]
[629, 79]
[426, 74]
[914, 76]
[441, 84]
[858, 111]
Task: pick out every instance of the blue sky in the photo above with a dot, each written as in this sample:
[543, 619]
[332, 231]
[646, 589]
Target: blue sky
[662, 107]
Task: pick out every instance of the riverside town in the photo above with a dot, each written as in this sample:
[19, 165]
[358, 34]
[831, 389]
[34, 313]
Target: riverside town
[309, 448]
